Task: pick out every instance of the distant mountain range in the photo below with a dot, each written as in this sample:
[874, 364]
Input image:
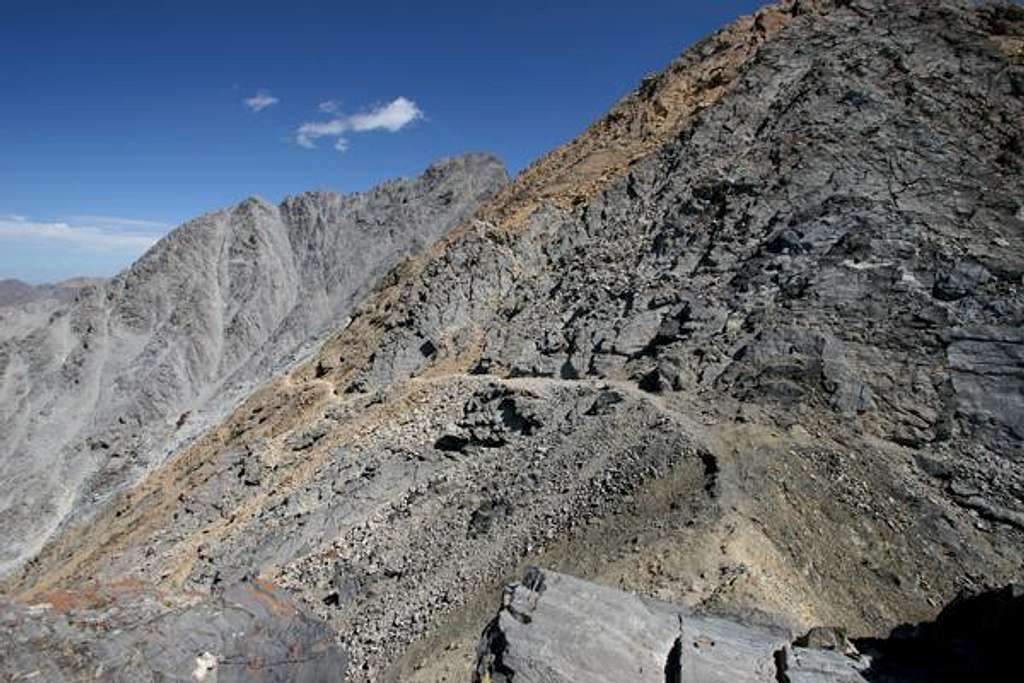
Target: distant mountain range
[15, 292]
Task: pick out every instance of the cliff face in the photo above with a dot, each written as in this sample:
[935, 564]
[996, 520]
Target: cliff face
[98, 390]
[751, 343]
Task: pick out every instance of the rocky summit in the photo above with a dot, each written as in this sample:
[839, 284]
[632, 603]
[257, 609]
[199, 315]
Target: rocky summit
[750, 347]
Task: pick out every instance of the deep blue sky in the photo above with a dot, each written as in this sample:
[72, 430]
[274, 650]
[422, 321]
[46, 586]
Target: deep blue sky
[134, 110]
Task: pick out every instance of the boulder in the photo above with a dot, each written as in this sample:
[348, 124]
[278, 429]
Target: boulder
[553, 628]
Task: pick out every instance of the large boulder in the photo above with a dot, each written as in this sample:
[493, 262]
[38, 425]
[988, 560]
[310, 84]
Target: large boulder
[553, 628]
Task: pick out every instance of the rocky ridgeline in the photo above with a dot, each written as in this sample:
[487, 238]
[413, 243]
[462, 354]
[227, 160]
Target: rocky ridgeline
[750, 345]
[97, 391]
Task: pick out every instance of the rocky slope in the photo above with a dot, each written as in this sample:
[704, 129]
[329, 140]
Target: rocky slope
[752, 343]
[96, 391]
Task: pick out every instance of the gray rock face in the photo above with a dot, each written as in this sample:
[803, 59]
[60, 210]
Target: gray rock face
[97, 391]
[814, 241]
[987, 365]
[247, 633]
[553, 628]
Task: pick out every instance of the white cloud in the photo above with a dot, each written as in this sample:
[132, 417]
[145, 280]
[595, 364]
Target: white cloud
[80, 219]
[94, 232]
[260, 101]
[329, 107]
[391, 117]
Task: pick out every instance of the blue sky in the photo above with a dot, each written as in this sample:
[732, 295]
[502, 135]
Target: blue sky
[119, 120]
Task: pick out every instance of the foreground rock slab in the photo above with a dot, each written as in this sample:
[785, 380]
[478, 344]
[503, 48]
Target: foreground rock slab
[554, 628]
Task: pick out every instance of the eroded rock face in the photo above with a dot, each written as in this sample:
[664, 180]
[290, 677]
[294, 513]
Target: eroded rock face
[96, 391]
[987, 374]
[248, 632]
[738, 346]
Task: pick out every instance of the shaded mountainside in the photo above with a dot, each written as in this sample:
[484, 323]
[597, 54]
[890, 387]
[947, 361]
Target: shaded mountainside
[96, 391]
[751, 344]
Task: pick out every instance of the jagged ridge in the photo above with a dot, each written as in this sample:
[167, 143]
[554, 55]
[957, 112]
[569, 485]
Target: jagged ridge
[97, 391]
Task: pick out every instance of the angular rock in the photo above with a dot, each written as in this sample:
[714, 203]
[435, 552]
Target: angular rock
[553, 628]
[963, 280]
[987, 368]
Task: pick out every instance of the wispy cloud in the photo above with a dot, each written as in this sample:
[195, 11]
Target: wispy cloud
[90, 219]
[260, 101]
[329, 107]
[390, 117]
[105, 233]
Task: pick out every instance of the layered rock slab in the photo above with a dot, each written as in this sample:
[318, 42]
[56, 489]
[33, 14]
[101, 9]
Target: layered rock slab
[554, 628]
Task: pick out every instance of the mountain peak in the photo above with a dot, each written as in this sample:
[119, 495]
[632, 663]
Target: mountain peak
[158, 353]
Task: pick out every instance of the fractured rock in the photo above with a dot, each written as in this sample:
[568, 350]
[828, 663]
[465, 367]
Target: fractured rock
[553, 628]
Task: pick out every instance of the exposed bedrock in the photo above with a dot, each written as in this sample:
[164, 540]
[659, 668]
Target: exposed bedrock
[552, 628]
[246, 633]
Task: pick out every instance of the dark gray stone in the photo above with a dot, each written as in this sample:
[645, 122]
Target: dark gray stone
[247, 633]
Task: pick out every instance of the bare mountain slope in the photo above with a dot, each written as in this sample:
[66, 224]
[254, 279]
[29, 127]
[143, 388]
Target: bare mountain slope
[98, 390]
[15, 292]
[750, 344]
